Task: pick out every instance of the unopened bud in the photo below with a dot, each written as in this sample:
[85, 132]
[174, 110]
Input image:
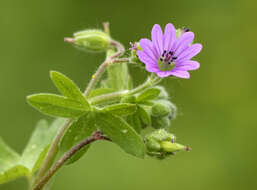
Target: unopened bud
[160, 122]
[168, 146]
[160, 109]
[161, 144]
[91, 40]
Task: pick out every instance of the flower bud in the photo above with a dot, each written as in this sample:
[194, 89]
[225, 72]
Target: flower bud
[163, 94]
[160, 144]
[160, 109]
[91, 40]
[168, 146]
[160, 122]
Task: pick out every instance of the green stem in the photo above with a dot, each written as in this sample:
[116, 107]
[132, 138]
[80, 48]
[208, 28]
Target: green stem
[116, 96]
[54, 146]
[43, 181]
[109, 60]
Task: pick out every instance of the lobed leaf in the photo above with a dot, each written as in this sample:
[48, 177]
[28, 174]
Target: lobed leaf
[55, 105]
[79, 130]
[9, 164]
[121, 133]
[100, 91]
[148, 94]
[68, 88]
[37, 147]
[122, 109]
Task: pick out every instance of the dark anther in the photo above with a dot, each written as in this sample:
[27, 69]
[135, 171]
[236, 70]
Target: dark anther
[161, 59]
[164, 51]
[169, 63]
[174, 58]
[186, 29]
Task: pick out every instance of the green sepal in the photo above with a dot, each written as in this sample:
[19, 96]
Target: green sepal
[121, 133]
[55, 105]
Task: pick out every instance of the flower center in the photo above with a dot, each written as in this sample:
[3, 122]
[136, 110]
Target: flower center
[166, 61]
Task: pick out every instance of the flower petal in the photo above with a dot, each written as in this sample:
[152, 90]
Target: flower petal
[183, 42]
[169, 37]
[189, 52]
[188, 65]
[157, 38]
[151, 66]
[147, 46]
[180, 74]
[163, 74]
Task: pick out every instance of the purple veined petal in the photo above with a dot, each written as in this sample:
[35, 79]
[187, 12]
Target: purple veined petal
[183, 42]
[187, 65]
[152, 68]
[157, 38]
[163, 74]
[189, 52]
[150, 64]
[180, 73]
[169, 37]
[147, 46]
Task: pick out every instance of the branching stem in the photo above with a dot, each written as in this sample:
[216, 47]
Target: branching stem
[95, 78]
[43, 181]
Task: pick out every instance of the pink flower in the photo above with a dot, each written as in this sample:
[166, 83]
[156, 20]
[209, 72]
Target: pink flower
[168, 55]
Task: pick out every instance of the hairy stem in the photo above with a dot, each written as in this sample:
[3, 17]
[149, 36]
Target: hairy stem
[54, 146]
[116, 96]
[96, 77]
[52, 152]
[43, 181]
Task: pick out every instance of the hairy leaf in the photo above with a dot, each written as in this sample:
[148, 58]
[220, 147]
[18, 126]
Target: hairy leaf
[118, 76]
[121, 133]
[121, 109]
[10, 167]
[100, 91]
[79, 130]
[55, 105]
[37, 147]
[68, 88]
[148, 94]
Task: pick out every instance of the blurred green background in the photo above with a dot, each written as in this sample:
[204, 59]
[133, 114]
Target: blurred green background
[217, 106]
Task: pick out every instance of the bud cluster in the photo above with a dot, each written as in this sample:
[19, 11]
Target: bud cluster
[161, 144]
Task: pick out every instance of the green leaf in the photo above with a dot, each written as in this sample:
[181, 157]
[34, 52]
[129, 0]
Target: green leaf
[118, 76]
[145, 114]
[68, 88]
[37, 147]
[55, 105]
[100, 91]
[134, 121]
[10, 168]
[148, 94]
[121, 109]
[79, 130]
[121, 133]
